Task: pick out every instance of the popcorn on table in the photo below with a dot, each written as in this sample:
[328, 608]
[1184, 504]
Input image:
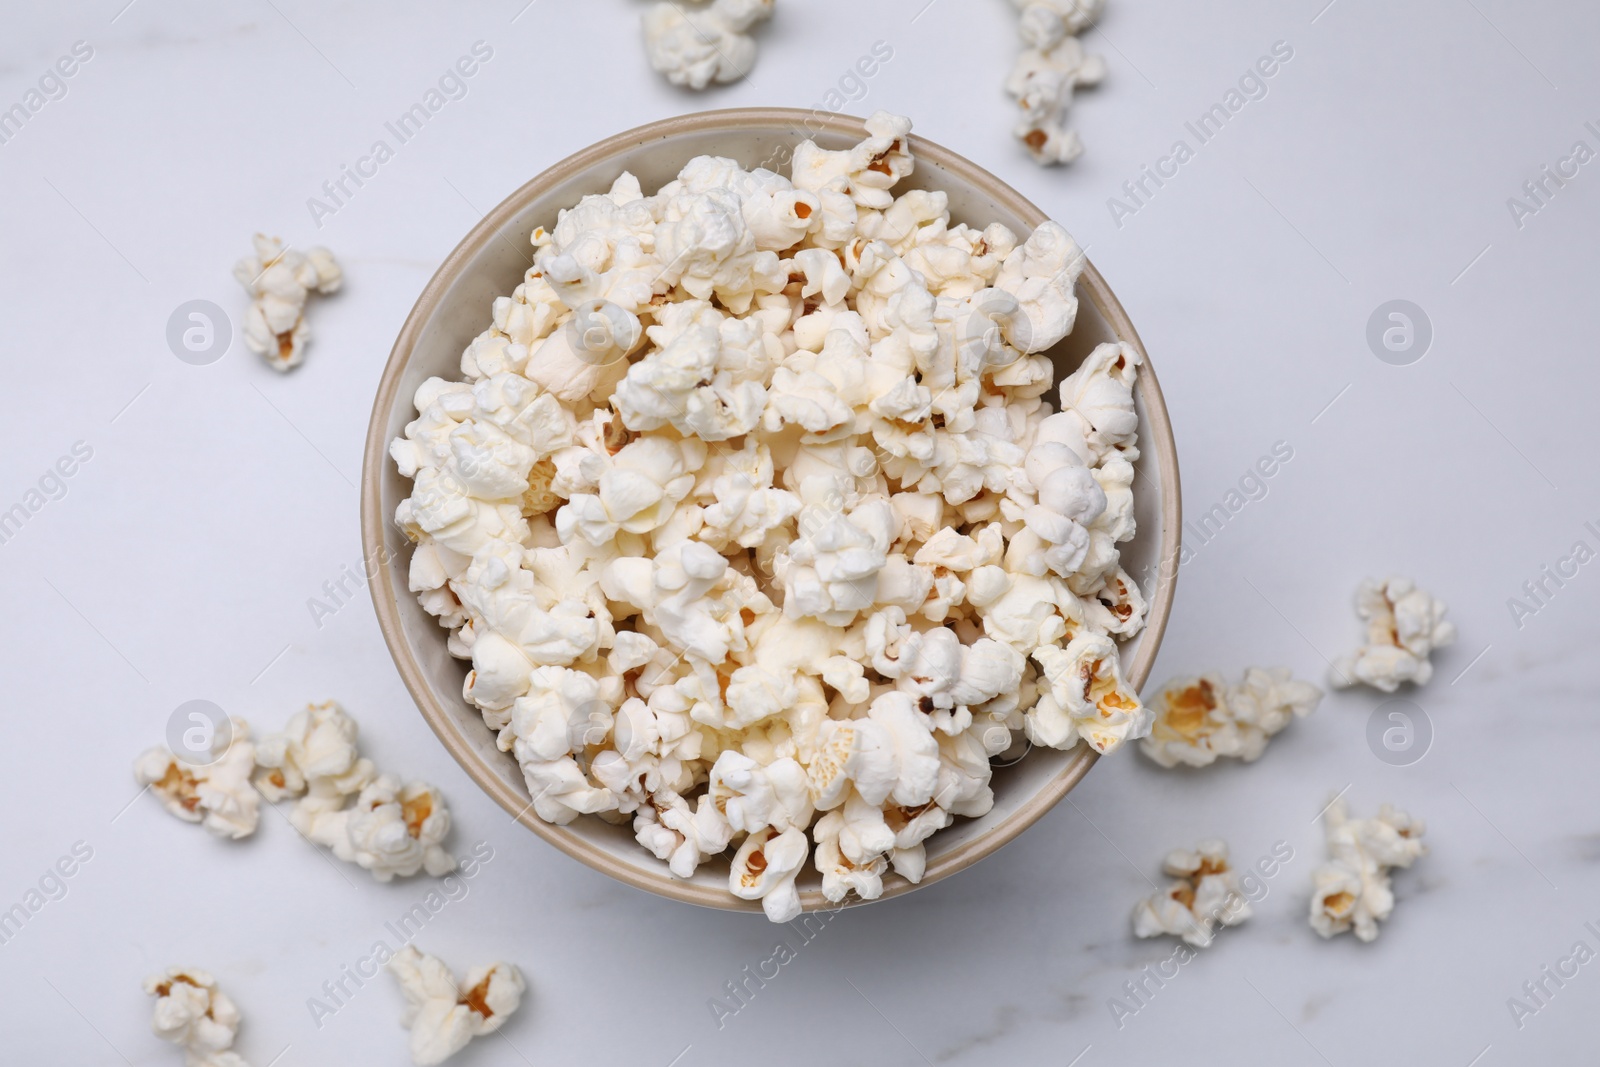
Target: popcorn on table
[1404, 626]
[342, 803]
[1051, 67]
[217, 795]
[756, 529]
[442, 1015]
[1206, 894]
[192, 1013]
[279, 280]
[1351, 891]
[694, 43]
[316, 752]
[1198, 720]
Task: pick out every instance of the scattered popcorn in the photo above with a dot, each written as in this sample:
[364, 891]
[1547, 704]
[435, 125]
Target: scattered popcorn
[217, 795]
[695, 43]
[343, 804]
[1051, 67]
[444, 1016]
[784, 555]
[192, 1013]
[1198, 720]
[1206, 894]
[279, 280]
[316, 751]
[1404, 626]
[1351, 890]
[390, 830]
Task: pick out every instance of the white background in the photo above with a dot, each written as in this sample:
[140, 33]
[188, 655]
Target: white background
[220, 498]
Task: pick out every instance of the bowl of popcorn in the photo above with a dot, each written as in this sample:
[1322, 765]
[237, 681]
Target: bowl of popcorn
[756, 500]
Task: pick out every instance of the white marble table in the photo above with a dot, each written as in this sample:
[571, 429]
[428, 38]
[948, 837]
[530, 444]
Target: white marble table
[179, 558]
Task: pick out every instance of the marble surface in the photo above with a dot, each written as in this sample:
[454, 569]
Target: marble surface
[179, 560]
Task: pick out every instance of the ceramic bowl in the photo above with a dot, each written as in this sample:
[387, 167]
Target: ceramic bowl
[490, 262]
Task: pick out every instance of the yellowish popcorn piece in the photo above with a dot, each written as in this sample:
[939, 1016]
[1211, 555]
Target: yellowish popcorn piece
[217, 795]
[341, 802]
[1204, 895]
[444, 1015]
[1199, 720]
[1404, 627]
[1351, 892]
[1051, 68]
[192, 1013]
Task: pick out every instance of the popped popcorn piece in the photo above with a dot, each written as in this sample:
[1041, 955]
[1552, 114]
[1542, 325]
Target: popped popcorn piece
[840, 874]
[444, 1015]
[764, 869]
[1049, 71]
[682, 836]
[636, 491]
[748, 507]
[1352, 891]
[702, 43]
[752, 797]
[317, 746]
[343, 804]
[912, 827]
[865, 173]
[396, 830]
[1404, 626]
[947, 679]
[1198, 720]
[1097, 416]
[1044, 22]
[192, 1013]
[1086, 697]
[1205, 894]
[832, 571]
[217, 795]
[755, 524]
[279, 280]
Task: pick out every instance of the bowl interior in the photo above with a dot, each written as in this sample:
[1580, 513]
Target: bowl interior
[491, 261]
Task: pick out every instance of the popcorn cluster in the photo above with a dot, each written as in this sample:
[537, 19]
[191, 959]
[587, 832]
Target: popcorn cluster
[192, 1013]
[1051, 67]
[217, 795]
[1206, 894]
[342, 803]
[1198, 720]
[756, 527]
[695, 43]
[1404, 626]
[373, 820]
[442, 1015]
[279, 281]
[1351, 890]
